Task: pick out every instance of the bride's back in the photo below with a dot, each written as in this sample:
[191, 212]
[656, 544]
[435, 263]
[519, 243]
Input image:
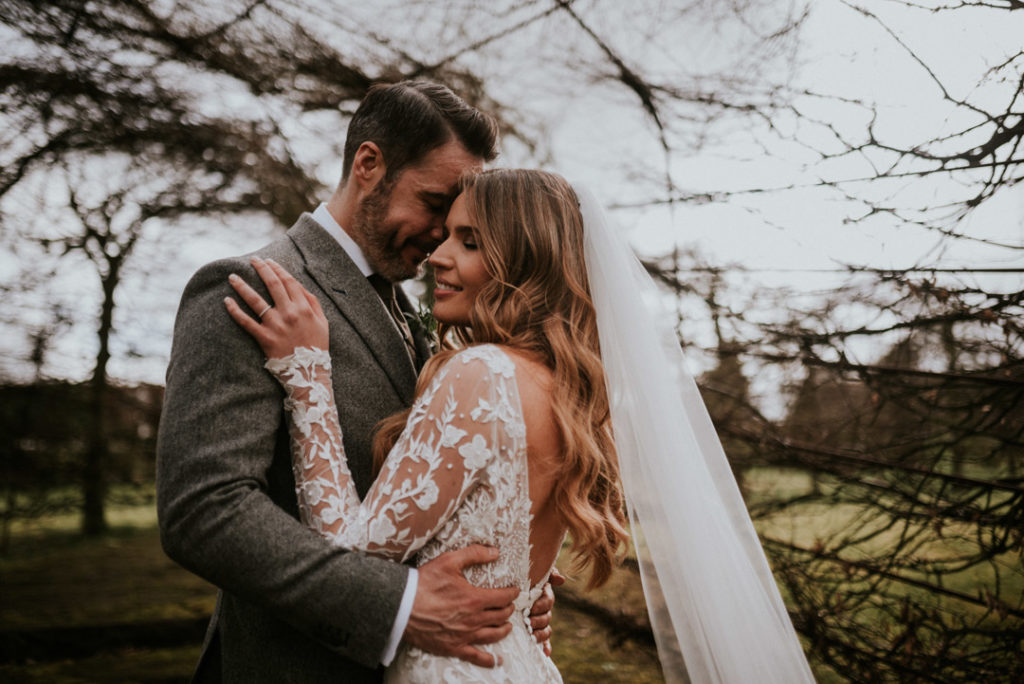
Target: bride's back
[544, 448]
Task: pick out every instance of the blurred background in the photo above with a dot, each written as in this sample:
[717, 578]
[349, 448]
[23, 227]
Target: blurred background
[829, 192]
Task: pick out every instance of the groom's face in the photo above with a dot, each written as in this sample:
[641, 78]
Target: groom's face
[402, 221]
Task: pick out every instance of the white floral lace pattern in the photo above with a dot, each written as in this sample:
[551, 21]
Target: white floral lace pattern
[457, 476]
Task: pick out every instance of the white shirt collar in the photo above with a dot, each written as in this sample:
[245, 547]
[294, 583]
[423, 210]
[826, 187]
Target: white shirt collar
[327, 222]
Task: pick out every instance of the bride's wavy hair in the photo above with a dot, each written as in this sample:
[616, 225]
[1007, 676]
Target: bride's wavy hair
[531, 238]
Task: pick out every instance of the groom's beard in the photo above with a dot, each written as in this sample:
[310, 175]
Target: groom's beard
[370, 222]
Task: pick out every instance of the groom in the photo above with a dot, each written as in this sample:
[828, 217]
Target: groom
[291, 607]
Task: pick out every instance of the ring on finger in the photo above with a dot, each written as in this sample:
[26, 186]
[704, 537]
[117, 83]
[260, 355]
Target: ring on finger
[261, 314]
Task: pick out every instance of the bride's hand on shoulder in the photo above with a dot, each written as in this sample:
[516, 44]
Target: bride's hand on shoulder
[295, 318]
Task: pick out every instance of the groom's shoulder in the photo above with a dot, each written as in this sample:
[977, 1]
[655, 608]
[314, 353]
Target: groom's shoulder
[212, 277]
[214, 273]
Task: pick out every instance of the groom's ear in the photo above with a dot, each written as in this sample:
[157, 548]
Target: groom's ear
[368, 167]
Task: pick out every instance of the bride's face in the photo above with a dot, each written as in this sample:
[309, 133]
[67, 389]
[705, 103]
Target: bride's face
[458, 266]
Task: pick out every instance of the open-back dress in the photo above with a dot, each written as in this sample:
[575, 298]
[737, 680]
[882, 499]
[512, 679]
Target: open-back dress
[456, 476]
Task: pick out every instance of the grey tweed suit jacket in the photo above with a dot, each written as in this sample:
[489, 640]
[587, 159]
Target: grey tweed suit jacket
[291, 608]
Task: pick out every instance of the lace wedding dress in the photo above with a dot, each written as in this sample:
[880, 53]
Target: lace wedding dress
[457, 476]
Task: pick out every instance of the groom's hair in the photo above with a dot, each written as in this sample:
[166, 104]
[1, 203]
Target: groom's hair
[406, 120]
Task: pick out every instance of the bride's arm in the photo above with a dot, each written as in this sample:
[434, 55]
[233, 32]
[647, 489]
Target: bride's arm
[454, 430]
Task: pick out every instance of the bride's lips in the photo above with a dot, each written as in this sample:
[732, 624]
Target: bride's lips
[444, 289]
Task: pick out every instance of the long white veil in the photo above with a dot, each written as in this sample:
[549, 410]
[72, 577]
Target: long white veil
[715, 609]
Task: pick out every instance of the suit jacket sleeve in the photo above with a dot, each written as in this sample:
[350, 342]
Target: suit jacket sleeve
[218, 505]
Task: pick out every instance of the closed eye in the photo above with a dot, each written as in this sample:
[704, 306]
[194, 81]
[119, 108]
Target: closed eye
[435, 202]
[467, 236]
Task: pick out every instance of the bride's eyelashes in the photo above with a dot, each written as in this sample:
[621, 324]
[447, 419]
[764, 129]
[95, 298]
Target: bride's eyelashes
[467, 237]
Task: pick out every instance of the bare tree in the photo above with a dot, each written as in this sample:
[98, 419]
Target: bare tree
[890, 498]
[106, 226]
[238, 105]
[116, 111]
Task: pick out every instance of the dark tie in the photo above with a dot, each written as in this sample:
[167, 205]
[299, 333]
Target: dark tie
[386, 291]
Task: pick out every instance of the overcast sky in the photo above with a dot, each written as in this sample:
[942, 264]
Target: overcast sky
[594, 133]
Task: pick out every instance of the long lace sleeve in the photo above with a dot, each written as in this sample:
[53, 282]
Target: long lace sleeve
[468, 418]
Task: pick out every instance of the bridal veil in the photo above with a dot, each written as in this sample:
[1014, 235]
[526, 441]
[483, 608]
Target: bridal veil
[715, 609]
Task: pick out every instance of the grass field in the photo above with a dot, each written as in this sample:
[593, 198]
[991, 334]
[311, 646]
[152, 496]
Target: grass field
[53, 578]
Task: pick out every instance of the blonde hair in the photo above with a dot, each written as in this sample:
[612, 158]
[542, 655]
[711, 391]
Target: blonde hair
[531, 238]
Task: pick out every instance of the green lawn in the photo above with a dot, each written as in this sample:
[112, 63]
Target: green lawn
[53, 578]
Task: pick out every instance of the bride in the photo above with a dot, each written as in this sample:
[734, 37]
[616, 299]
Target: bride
[547, 349]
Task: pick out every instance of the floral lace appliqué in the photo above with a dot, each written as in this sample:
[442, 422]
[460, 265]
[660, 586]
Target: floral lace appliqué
[456, 476]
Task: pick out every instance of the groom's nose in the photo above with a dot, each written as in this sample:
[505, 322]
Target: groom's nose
[436, 233]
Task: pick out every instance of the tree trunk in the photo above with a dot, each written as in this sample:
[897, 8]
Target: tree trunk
[94, 521]
[94, 486]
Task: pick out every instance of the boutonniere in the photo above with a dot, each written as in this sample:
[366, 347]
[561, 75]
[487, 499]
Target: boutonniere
[423, 320]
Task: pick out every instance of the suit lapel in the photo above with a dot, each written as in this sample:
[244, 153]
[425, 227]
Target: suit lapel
[329, 265]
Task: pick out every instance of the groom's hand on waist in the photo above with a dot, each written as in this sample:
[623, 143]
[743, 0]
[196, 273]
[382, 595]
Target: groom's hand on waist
[450, 615]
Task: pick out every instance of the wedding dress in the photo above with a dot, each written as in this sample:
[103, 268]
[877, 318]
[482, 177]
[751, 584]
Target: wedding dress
[457, 476]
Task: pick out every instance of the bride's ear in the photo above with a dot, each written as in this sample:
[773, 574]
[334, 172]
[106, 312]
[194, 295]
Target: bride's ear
[368, 167]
